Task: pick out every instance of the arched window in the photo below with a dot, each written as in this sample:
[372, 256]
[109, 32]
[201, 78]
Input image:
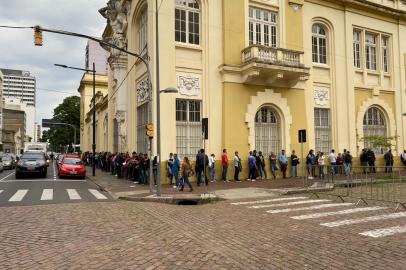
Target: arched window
[143, 31]
[267, 131]
[374, 124]
[187, 21]
[319, 44]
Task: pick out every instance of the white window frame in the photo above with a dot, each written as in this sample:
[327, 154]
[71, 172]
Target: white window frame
[143, 32]
[183, 6]
[385, 53]
[357, 48]
[263, 27]
[370, 51]
[322, 129]
[319, 56]
[189, 138]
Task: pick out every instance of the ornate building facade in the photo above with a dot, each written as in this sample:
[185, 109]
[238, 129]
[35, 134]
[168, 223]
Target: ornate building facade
[259, 70]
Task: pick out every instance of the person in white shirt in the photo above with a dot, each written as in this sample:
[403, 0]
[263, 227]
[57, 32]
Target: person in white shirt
[237, 166]
[320, 161]
[333, 162]
[212, 169]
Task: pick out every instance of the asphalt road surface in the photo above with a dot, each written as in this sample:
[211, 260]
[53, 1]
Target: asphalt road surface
[34, 190]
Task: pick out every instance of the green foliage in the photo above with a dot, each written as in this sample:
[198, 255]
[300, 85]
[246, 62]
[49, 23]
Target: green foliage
[377, 141]
[67, 112]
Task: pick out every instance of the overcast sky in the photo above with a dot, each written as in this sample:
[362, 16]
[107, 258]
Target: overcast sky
[17, 50]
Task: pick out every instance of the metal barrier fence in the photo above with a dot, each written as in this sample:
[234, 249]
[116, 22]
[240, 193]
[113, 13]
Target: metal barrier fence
[364, 183]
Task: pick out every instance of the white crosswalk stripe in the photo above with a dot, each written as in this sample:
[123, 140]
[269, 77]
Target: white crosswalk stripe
[336, 213]
[73, 194]
[385, 231]
[269, 200]
[19, 195]
[364, 220]
[47, 195]
[315, 207]
[97, 194]
[1, 191]
[288, 204]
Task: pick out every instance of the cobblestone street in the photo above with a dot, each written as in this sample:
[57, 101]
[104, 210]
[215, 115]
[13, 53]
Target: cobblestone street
[133, 235]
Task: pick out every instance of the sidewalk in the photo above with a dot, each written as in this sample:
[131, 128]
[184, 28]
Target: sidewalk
[128, 190]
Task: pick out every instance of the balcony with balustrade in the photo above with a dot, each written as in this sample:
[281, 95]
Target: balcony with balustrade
[270, 66]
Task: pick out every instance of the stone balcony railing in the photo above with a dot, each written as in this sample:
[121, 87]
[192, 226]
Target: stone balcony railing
[273, 56]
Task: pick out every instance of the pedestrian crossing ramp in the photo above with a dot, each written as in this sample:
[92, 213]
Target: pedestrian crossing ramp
[53, 195]
[333, 215]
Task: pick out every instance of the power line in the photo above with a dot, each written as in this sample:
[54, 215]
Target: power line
[19, 27]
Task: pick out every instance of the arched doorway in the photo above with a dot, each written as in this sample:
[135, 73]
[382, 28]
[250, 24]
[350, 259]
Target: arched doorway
[267, 131]
[374, 124]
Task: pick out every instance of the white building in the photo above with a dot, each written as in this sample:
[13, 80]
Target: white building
[30, 112]
[19, 84]
[1, 108]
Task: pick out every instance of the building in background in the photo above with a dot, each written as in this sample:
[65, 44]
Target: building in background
[30, 111]
[97, 55]
[19, 89]
[37, 137]
[1, 110]
[14, 130]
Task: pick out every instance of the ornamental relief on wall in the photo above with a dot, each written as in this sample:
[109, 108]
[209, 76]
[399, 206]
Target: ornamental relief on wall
[142, 92]
[321, 97]
[188, 84]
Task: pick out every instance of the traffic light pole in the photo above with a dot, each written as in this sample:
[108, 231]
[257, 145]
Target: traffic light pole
[94, 122]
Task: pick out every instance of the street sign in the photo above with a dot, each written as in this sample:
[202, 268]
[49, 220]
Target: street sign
[46, 123]
[205, 128]
[302, 135]
[150, 130]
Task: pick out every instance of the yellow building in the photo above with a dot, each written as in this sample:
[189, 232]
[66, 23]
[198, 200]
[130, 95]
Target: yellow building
[259, 70]
[86, 112]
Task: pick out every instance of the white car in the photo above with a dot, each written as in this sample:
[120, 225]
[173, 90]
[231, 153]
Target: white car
[1, 165]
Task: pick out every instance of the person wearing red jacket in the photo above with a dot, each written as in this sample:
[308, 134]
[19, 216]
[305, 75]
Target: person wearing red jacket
[224, 164]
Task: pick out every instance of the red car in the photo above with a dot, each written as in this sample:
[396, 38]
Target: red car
[72, 166]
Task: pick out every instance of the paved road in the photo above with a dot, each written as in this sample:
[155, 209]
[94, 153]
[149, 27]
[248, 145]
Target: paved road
[50, 190]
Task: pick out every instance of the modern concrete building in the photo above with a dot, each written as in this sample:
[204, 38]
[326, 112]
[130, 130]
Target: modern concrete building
[259, 71]
[97, 55]
[19, 84]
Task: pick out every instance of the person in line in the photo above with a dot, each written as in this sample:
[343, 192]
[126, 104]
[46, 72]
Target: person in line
[186, 171]
[403, 157]
[155, 168]
[224, 164]
[175, 170]
[294, 161]
[320, 162]
[252, 167]
[347, 163]
[200, 164]
[310, 162]
[283, 160]
[371, 160]
[333, 162]
[262, 167]
[388, 161]
[169, 172]
[237, 166]
[212, 168]
[364, 160]
[274, 167]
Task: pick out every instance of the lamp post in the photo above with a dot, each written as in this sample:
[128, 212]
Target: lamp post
[94, 110]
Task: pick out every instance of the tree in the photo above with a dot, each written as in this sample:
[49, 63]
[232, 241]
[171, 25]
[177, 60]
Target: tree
[379, 142]
[67, 112]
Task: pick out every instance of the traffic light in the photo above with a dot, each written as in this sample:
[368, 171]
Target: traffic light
[37, 36]
[150, 130]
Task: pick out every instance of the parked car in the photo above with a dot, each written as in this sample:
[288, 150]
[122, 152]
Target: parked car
[8, 162]
[32, 163]
[1, 165]
[72, 167]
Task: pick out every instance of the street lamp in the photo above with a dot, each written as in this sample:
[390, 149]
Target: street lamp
[94, 109]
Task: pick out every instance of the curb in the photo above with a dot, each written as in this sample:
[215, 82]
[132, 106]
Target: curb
[102, 188]
[197, 199]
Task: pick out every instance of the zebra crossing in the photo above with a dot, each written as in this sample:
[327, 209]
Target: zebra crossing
[48, 195]
[337, 214]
